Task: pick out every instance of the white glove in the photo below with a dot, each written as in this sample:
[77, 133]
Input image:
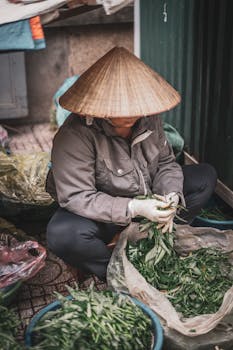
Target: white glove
[172, 199]
[152, 209]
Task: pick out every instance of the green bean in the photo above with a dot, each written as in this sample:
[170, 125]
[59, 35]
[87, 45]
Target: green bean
[101, 320]
[8, 329]
[215, 213]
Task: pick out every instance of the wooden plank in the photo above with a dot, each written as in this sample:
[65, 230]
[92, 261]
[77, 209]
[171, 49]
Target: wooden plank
[67, 13]
[225, 193]
[221, 189]
[74, 3]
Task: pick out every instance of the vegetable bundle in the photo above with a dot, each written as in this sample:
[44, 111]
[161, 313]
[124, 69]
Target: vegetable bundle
[94, 320]
[195, 284]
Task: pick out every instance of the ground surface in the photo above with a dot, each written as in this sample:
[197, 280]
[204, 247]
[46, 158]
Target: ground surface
[31, 138]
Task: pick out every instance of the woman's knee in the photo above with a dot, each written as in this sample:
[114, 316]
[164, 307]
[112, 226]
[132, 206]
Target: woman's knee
[55, 236]
[199, 177]
[65, 234]
[210, 175]
[199, 184]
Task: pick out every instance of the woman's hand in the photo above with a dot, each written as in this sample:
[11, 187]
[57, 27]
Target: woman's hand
[172, 199]
[153, 209]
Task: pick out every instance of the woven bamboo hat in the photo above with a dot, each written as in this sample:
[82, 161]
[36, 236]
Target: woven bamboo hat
[119, 85]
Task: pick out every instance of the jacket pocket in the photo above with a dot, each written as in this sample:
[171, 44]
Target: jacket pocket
[121, 168]
[117, 178]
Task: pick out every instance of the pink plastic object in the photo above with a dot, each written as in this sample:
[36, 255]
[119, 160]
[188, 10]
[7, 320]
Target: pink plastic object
[18, 262]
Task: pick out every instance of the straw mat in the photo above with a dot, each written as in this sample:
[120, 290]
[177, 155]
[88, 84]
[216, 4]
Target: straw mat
[119, 85]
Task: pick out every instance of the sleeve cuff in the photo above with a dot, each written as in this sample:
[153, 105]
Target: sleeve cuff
[120, 213]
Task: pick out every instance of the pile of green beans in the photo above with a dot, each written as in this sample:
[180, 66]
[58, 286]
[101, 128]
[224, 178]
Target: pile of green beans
[195, 284]
[8, 329]
[215, 213]
[94, 320]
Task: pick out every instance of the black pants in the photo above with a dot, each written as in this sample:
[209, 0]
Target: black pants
[81, 242]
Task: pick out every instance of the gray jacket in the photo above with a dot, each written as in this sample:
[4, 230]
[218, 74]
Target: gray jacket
[95, 173]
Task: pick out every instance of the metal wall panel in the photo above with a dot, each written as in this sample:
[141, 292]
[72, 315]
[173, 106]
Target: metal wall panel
[190, 43]
[13, 89]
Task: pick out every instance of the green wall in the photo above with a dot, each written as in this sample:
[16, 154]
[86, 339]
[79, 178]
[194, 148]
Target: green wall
[193, 49]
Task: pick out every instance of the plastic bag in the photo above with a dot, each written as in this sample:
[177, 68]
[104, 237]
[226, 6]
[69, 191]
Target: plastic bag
[61, 113]
[123, 277]
[19, 260]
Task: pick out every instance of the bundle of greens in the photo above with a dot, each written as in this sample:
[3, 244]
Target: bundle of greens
[195, 284]
[215, 213]
[8, 328]
[94, 320]
[22, 178]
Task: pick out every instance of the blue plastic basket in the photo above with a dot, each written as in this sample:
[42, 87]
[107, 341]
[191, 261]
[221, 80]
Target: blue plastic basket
[157, 328]
[221, 225]
[215, 201]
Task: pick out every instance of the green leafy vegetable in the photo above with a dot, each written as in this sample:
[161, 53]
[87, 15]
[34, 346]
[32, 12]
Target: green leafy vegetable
[195, 284]
[8, 329]
[215, 213]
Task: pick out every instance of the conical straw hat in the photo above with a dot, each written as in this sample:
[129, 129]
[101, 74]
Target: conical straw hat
[119, 85]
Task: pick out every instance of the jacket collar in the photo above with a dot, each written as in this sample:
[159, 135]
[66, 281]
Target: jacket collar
[141, 126]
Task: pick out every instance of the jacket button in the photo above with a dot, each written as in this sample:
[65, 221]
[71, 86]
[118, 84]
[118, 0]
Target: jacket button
[119, 171]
